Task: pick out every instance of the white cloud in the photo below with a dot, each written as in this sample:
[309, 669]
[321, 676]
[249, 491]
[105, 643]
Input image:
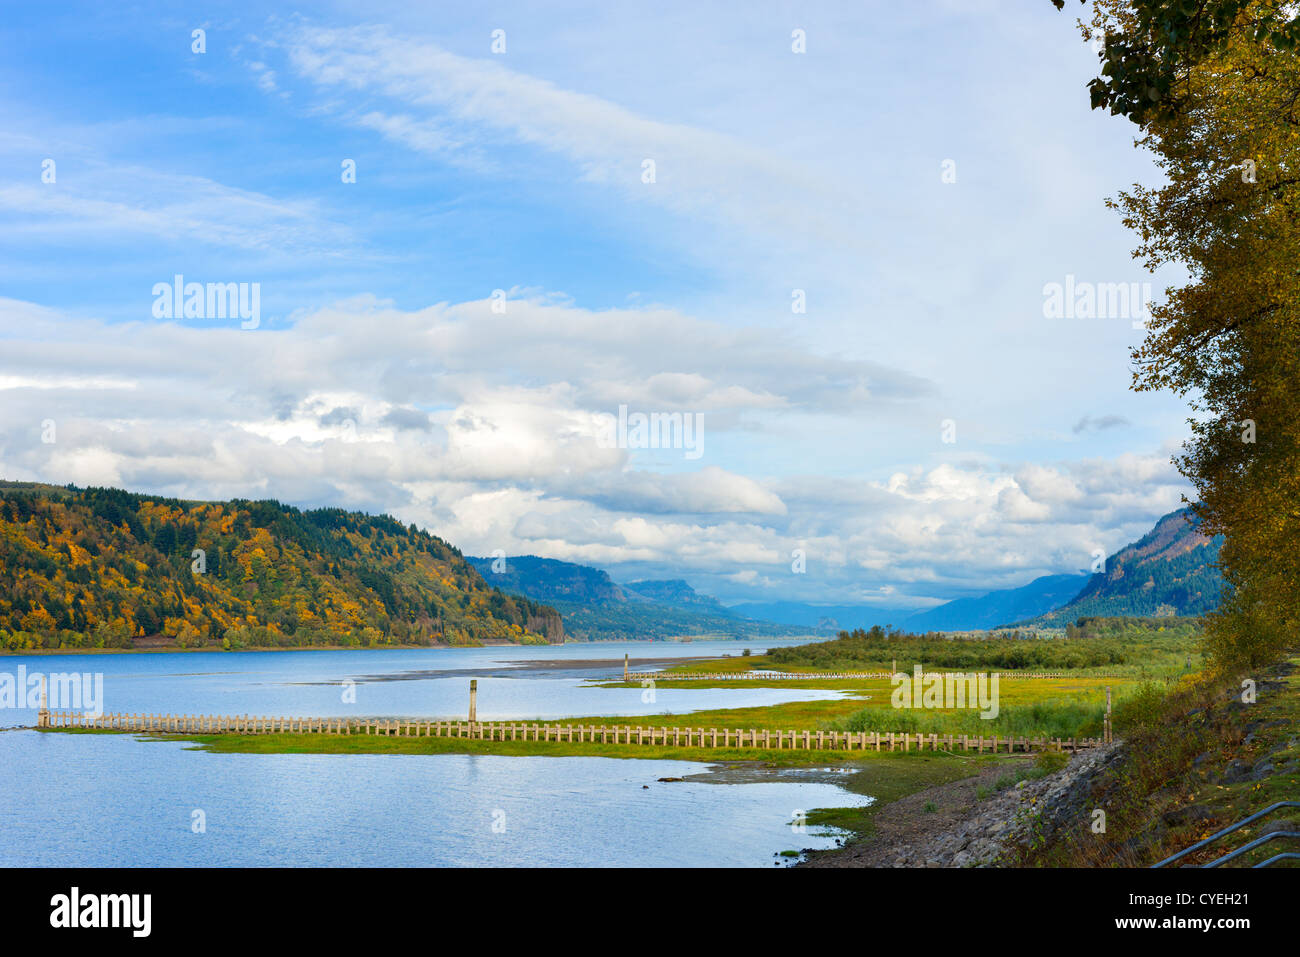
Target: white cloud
[772, 171]
[446, 105]
[117, 202]
[318, 413]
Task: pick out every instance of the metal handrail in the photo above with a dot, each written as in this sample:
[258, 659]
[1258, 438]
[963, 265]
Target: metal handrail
[1277, 857]
[1252, 845]
[1227, 830]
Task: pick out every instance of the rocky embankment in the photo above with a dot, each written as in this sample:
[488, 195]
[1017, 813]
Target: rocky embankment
[971, 824]
[1207, 755]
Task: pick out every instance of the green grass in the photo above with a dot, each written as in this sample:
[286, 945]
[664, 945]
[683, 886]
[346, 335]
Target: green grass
[1066, 707]
[1051, 761]
[379, 744]
[1011, 779]
[1052, 719]
[1054, 703]
[1134, 646]
[1143, 652]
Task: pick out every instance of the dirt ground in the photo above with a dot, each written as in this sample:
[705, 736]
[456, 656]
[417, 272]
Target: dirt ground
[906, 822]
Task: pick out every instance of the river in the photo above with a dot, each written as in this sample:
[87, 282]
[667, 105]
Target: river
[123, 800]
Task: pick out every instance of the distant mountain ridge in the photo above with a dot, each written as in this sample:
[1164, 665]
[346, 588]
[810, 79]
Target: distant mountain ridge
[548, 579]
[1170, 571]
[961, 614]
[999, 607]
[829, 618]
[596, 608]
[678, 593]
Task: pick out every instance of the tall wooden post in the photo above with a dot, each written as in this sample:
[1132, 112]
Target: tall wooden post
[43, 715]
[1108, 732]
[625, 677]
[473, 700]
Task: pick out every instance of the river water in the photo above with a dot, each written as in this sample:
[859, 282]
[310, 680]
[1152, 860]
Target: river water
[122, 800]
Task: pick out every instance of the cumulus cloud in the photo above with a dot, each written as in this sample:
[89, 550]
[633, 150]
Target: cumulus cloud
[365, 393]
[485, 428]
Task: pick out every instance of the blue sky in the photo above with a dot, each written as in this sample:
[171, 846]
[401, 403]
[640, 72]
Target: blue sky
[380, 376]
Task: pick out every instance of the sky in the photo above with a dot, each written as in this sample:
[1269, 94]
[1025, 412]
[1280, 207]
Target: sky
[824, 234]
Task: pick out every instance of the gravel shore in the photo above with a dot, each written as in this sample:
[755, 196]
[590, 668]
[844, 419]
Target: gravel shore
[960, 829]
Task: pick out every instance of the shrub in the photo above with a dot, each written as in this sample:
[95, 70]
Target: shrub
[1142, 708]
[1051, 761]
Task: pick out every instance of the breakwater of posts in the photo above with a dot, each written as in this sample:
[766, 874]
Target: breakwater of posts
[833, 675]
[683, 737]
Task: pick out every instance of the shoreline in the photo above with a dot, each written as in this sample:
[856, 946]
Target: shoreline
[176, 649]
[981, 821]
[889, 835]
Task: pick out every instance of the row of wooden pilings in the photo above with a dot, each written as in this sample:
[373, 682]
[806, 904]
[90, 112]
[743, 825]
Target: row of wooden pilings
[759, 738]
[822, 675]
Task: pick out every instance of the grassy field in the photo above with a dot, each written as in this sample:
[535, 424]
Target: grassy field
[1125, 655]
[1051, 707]
[1132, 647]
[1055, 707]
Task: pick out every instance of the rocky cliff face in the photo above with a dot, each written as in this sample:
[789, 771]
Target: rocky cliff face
[547, 624]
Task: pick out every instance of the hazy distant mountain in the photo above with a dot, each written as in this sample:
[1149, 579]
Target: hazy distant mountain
[595, 608]
[1169, 571]
[999, 607]
[529, 575]
[680, 595]
[829, 618]
[961, 614]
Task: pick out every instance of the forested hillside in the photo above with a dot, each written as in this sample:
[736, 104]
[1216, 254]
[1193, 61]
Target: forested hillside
[104, 568]
[1170, 571]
